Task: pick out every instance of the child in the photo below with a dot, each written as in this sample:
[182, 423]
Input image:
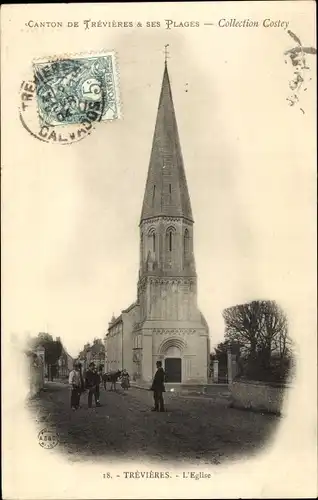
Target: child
[125, 383]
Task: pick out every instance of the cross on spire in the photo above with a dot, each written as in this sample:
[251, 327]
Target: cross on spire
[166, 52]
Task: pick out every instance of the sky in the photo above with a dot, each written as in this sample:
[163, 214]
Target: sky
[70, 214]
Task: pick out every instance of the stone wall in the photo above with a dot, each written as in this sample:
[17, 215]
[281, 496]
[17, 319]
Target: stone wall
[257, 396]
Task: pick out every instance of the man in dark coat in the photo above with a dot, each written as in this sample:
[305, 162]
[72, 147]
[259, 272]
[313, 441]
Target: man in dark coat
[91, 381]
[99, 378]
[82, 378]
[158, 387]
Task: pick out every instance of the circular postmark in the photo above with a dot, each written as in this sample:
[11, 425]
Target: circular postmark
[48, 438]
[66, 97]
[36, 124]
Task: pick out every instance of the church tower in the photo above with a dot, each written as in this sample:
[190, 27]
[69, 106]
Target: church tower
[171, 327]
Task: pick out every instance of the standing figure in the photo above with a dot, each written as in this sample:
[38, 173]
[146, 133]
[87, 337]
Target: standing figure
[99, 375]
[90, 384]
[82, 378]
[125, 382]
[74, 380]
[105, 379]
[113, 379]
[158, 388]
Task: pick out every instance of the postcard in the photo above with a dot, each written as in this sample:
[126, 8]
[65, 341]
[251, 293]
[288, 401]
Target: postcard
[159, 250]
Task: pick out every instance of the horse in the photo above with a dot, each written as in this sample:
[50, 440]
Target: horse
[111, 377]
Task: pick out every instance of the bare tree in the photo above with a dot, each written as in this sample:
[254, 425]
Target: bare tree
[273, 336]
[243, 325]
[261, 328]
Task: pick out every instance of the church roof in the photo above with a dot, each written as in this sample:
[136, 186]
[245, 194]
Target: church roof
[166, 187]
[115, 321]
[129, 308]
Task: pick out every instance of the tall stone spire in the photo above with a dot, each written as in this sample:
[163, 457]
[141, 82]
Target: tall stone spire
[166, 191]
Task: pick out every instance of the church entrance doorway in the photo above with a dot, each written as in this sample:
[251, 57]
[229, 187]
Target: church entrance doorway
[173, 370]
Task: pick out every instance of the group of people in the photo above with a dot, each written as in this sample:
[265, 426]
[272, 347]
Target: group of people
[91, 381]
[79, 383]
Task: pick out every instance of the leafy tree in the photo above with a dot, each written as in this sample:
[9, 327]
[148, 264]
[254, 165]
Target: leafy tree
[222, 348]
[53, 348]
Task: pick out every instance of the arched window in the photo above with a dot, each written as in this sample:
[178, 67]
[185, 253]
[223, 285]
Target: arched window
[152, 240]
[170, 234]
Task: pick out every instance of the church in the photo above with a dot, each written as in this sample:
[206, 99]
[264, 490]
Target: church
[164, 323]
